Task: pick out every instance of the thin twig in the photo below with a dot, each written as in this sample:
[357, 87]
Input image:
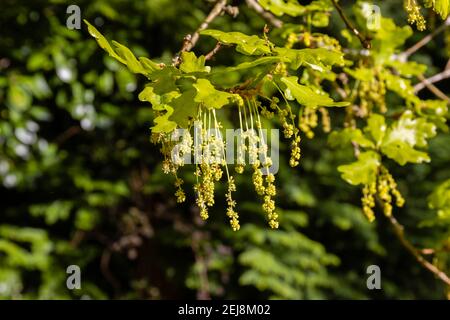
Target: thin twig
[424, 82]
[399, 231]
[231, 10]
[66, 135]
[425, 40]
[428, 251]
[253, 4]
[104, 267]
[438, 93]
[215, 12]
[211, 54]
[191, 40]
[436, 78]
[365, 42]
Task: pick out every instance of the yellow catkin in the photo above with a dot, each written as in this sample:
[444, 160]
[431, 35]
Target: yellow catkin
[414, 15]
[179, 194]
[368, 201]
[231, 213]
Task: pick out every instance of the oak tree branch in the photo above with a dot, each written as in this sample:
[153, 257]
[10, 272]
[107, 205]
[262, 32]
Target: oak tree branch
[437, 92]
[399, 232]
[211, 54]
[436, 78]
[253, 4]
[364, 41]
[191, 40]
[425, 39]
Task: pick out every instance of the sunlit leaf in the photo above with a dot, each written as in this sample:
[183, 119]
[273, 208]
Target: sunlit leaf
[344, 137]
[307, 96]
[124, 55]
[442, 7]
[250, 45]
[404, 135]
[185, 108]
[103, 43]
[318, 59]
[362, 171]
[209, 96]
[190, 63]
[376, 127]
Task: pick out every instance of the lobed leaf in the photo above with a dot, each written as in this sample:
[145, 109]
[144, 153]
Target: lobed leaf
[319, 59]
[376, 127]
[124, 55]
[190, 63]
[405, 134]
[362, 171]
[249, 45]
[307, 96]
[209, 96]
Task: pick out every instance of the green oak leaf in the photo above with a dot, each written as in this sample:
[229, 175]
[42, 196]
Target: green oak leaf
[406, 134]
[162, 122]
[434, 111]
[249, 45]
[348, 135]
[185, 108]
[403, 153]
[440, 200]
[209, 96]
[148, 94]
[251, 64]
[307, 96]
[320, 19]
[124, 55]
[281, 7]
[149, 65]
[401, 86]
[407, 69]
[165, 80]
[376, 126]
[159, 103]
[362, 74]
[293, 8]
[132, 63]
[441, 7]
[103, 43]
[387, 39]
[362, 171]
[318, 59]
[190, 63]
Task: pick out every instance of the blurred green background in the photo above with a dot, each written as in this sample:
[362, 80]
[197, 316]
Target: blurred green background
[81, 184]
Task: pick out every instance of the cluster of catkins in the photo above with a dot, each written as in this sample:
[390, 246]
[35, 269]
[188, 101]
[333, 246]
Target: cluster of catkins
[210, 162]
[251, 128]
[209, 151]
[372, 94]
[384, 187]
[287, 120]
[414, 15]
